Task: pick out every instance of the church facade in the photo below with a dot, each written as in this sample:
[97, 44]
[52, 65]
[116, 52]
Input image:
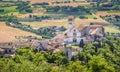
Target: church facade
[73, 34]
[85, 33]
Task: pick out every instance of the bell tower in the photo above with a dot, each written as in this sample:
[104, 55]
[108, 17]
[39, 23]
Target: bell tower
[71, 22]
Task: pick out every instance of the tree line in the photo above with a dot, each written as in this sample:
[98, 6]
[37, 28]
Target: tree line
[93, 58]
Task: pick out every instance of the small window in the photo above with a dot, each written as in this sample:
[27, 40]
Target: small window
[74, 40]
[65, 34]
[70, 23]
[74, 30]
[74, 34]
[10, 51]
[70, 19]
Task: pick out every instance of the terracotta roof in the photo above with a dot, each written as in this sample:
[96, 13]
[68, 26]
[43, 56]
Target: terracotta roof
[34, 44]
[81, 26]
[94, 31]
[71, 17]
[6, 47]
[95, 26]
[49, 48]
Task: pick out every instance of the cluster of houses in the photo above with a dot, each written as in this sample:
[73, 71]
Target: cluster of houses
[68, 41]
[112, 34]
[9, 48]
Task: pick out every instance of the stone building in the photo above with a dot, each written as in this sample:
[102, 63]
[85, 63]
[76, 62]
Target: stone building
[71, 51]
[87, 33]
[7, 48]
[73, 34]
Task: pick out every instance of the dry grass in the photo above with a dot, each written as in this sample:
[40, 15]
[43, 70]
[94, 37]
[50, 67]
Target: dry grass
[8, 33]
[73, 4]
[104, 13]
[50, 1]
[47, 23]
[111, 29]
[62, 22]
[38, 1]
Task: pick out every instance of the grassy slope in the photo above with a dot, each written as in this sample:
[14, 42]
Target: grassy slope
[47, 23]
[8, 33]
[13, 10]
[10, 9]
[111, 29]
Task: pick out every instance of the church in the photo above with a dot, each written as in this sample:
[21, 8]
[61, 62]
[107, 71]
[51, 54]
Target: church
[73, 35]
[81, 34]
[86, 33]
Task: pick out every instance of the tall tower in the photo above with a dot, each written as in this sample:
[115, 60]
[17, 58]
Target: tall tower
[68, 51]
[71, 22]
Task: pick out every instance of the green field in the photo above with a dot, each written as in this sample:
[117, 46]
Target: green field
[114, 11]
[64, 23]
[89, 16]
[111, 29]
[10, 9]
[65, 15]
[45, 23]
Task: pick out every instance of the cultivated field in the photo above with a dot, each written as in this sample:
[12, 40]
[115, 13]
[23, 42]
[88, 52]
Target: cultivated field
[111, 29]
[10, 9]
[68, 4]
[61, 22]
[104, 13]
[45, 23]
[38, 1]
[8, 33]
[73, 4]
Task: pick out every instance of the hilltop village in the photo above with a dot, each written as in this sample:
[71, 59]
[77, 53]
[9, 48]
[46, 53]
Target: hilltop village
[71, 41]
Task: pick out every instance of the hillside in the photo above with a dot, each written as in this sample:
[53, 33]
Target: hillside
[9, 33]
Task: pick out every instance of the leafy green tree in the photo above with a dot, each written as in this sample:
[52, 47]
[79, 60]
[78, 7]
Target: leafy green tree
[99, 64]
[26, 52]
[75, 67]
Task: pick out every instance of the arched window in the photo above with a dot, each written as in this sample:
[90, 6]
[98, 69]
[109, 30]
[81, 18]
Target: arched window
[70, 23]
[74, 40]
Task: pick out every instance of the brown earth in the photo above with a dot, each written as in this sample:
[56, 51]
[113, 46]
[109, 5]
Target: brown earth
[72, 4]
[38, 1]
[8, 33]
[50, 1]
[104, 13]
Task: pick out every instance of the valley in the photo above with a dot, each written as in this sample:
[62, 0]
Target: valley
[59, 35]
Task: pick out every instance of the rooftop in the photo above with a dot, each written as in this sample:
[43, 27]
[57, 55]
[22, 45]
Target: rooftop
[71, 17]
